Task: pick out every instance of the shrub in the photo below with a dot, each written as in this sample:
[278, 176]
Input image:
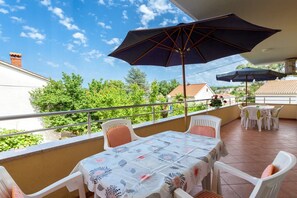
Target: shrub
[17, 141]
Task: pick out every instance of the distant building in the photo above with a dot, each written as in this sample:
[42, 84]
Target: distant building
[277, 92]
[15, 85]
[194, 92]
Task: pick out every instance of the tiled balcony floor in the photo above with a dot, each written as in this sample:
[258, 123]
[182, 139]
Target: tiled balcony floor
[251, 151]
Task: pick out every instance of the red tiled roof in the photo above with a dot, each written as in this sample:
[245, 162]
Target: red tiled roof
[191, 90]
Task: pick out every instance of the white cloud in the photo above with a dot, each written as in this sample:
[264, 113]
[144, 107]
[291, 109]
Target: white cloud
[17, 19]
[45, 2]
[165, 22]
[69, 65]
[55, 65]
[80, 38]
[93, 54]
[147, 15]
[58, 12]
[70, 47]
[67, 22]
[103, 25]
[2, 2]
[160, 6]
[124, 14]
[33, 33]
[16, 8]
[113, 41]
[3, 11]
[101, 2]
[109, 60]
[2, 37]
[153, 9]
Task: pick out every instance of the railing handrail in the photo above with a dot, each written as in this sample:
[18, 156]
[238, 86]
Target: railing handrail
[34, 115]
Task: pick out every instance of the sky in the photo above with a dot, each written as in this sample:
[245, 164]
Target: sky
[76, 36]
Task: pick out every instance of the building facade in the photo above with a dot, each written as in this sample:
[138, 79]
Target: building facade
[16, 84]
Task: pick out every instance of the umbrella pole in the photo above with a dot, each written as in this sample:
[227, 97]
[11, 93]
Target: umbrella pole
[184, 88]
[246, 90]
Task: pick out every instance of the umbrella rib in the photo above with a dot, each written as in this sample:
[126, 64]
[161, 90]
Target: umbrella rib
[155, 46]
[170, 55]
[169, 36]
[235, 29]
[219, 40]
[193, 26]
[196, 43]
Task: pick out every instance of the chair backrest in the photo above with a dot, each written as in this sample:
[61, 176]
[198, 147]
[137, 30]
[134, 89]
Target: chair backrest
[253, 113]
[6, 183]
[9, 188]
[240, 106]
[268, 187]
[208, 121]
[275, 112]
[117, 132]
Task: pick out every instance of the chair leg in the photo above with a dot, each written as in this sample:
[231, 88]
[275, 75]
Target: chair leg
[259, 123]
[206, 182]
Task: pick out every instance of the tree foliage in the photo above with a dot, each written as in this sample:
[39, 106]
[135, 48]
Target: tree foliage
[17, 141]
[136, 76]
[166, 87]
[68, 94]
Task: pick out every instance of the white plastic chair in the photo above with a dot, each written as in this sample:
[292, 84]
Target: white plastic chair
[106, 126]
[242, 115]
[253, 114]
[267, 187]
[274, 117]
[207, 120]
[72, 182]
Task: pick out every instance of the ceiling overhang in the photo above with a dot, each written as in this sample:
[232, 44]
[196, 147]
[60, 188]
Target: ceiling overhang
[267, 13]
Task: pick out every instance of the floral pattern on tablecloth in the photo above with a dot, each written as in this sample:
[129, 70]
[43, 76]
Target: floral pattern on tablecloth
[151, 167]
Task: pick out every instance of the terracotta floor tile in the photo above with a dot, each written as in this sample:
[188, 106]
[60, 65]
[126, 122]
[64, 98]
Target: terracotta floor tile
[243, 190]
[251, 151]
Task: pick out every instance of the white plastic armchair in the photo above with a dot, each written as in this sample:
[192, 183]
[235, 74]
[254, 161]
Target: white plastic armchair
[267, 187]
[253, 114]
[206, 120]
[72, 182]
[122, 132]
[242, 115]
[274, 117]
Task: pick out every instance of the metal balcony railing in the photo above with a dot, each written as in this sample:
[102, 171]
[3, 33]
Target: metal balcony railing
[153, 113]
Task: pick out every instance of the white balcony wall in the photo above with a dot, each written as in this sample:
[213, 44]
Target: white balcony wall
[276, 99]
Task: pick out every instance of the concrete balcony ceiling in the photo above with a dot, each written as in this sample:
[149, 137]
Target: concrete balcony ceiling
[268, 13]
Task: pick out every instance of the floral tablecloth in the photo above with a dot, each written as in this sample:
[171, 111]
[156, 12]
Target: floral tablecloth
[151, 167]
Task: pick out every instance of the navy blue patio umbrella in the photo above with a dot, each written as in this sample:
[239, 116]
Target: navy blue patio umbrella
[249, 74]
[197, 42]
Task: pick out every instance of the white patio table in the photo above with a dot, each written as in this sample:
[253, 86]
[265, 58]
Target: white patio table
[151, 167]
[265, 111]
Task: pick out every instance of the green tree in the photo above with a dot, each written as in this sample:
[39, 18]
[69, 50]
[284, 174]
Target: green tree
[63, 95]
[136, 76]
[154, 92]
[166, 87]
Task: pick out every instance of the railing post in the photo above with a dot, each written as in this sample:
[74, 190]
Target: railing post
[264, 100]
[153, 113]
[89, 123]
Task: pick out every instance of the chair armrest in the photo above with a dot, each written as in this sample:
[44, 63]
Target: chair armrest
[72, 182]
[224, 167]
[179, 193]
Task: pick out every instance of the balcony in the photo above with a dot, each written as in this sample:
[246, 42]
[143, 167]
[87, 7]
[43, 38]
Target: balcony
[250, 151]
